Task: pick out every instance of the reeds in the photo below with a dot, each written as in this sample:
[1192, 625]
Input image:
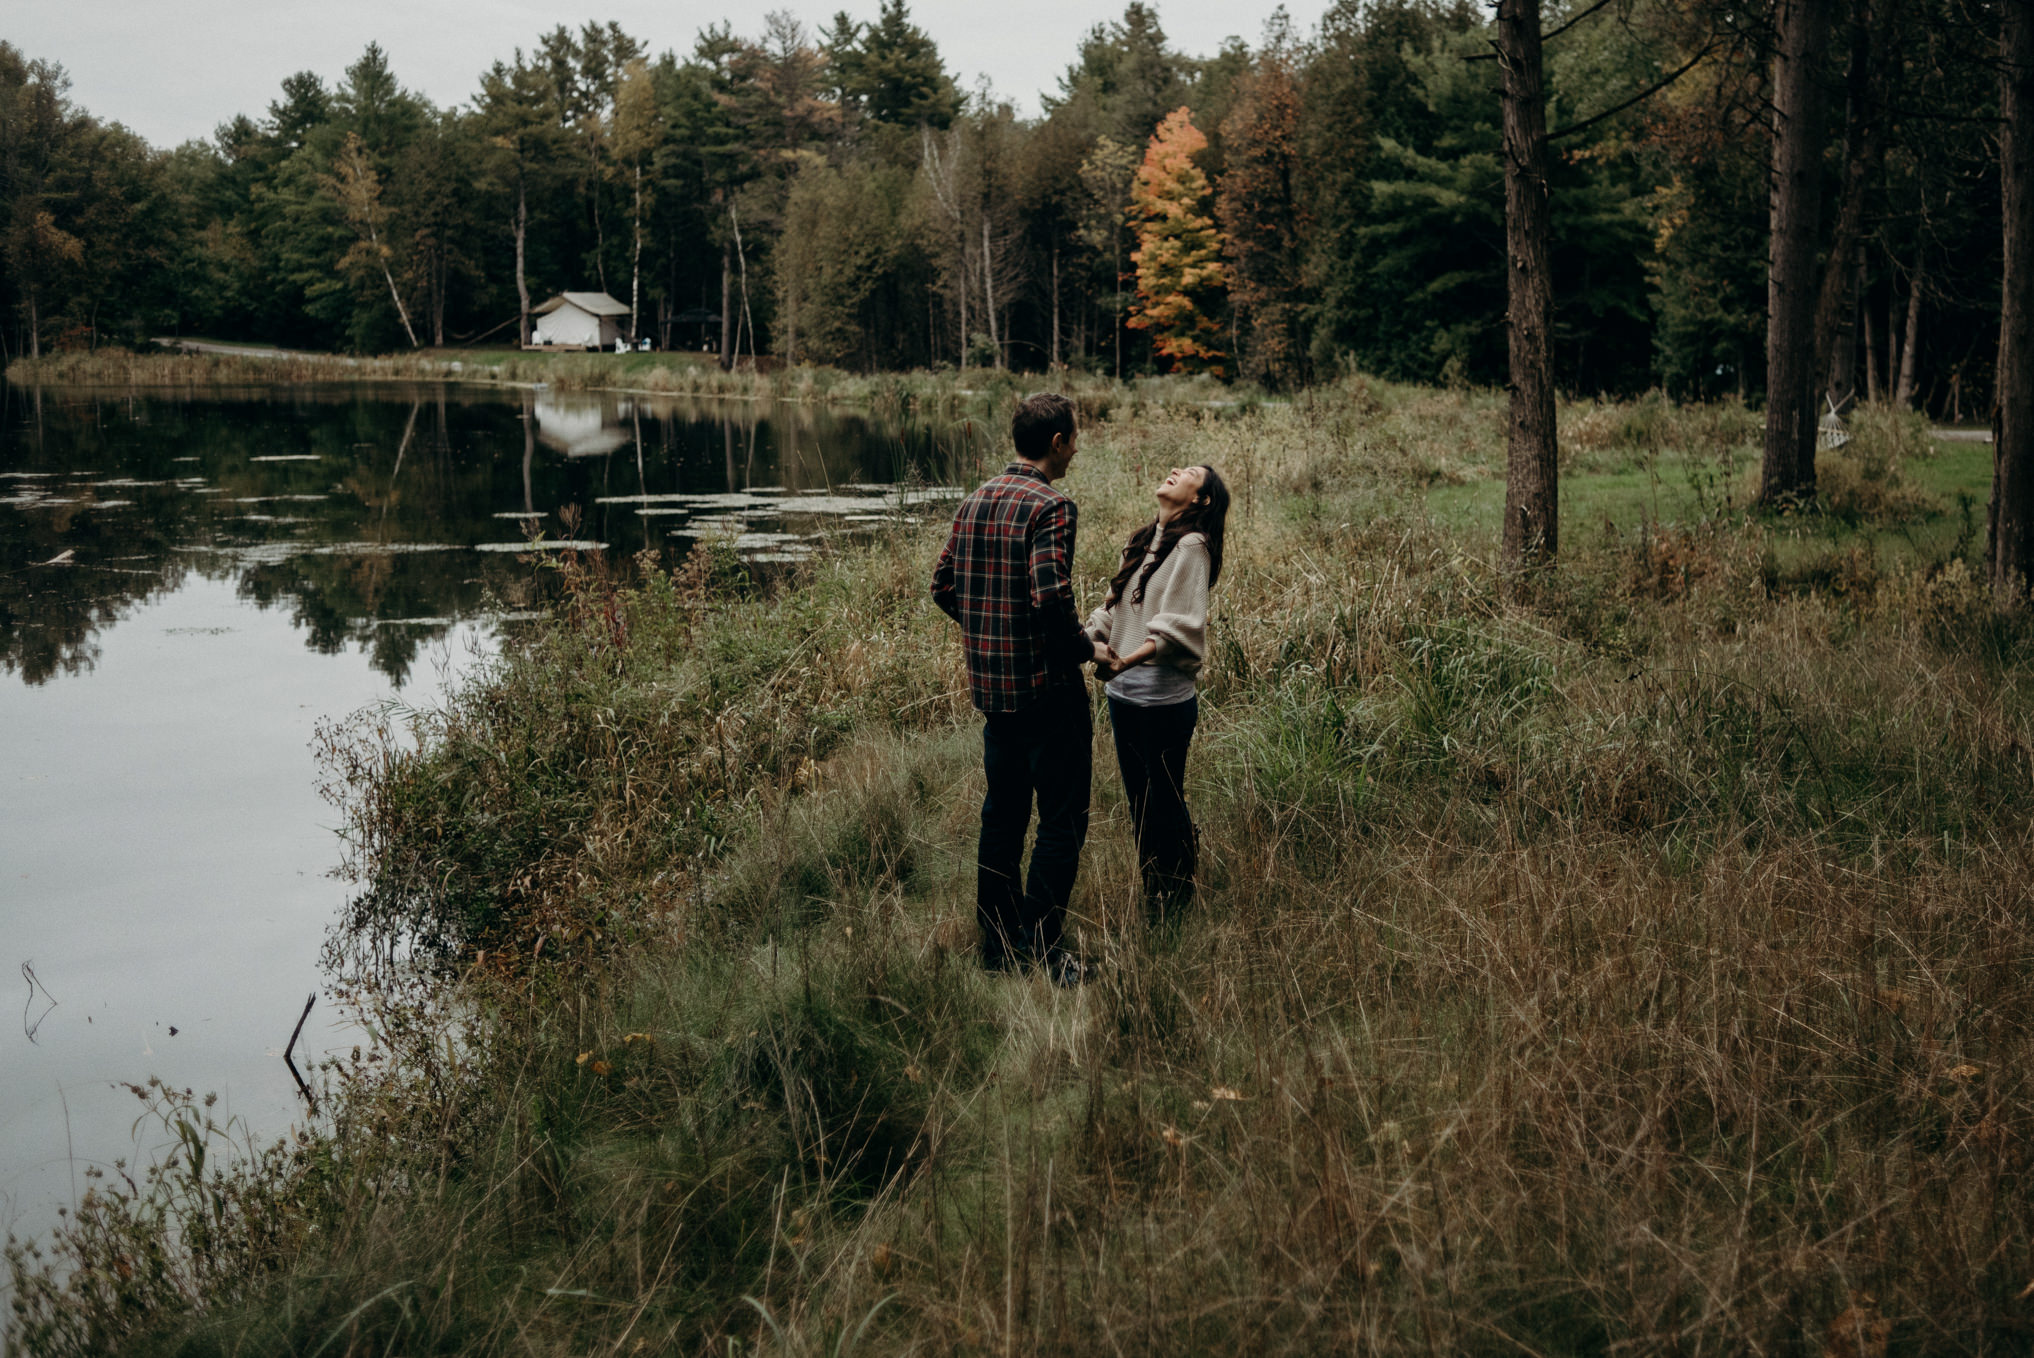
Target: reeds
[1641, 967]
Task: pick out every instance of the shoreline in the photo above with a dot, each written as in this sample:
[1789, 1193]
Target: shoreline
[643, 375]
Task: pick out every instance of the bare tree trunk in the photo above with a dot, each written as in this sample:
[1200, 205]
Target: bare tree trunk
[402, 312]
[1055, 306]
[636, 263]
[1910, 376]
[788, 315]
[2012, 507]
[1893, 320]
[1116, 304]
[742, 262]
[1532, 464]
[599, 228]
[1864, 150]
[522, 281]
[1791, 292]
[965, 284]
[1871, 353]
[727, 306]
[34, 327]
[989, 290]
[1843, 374]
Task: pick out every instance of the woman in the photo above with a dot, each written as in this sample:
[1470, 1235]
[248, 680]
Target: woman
[1155, 624]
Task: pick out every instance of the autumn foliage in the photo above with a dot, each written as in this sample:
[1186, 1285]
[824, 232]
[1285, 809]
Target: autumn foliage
[1180, 274]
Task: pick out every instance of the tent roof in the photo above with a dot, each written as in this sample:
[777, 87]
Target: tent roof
[592, 303]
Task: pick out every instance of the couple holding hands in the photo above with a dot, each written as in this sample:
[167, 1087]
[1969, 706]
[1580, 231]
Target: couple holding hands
[1006, 576]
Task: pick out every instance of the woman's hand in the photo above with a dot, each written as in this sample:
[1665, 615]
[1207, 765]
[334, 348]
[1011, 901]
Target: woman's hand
[1107, 662]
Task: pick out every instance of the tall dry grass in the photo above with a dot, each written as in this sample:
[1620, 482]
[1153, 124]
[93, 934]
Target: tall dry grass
[1642, 966]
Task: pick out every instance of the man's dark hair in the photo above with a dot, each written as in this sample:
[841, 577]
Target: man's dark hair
[1038, 418]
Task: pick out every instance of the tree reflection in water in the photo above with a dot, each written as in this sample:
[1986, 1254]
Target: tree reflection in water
[364, 510]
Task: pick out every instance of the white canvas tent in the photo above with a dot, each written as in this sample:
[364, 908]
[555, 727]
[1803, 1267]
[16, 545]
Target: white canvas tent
[579, 320]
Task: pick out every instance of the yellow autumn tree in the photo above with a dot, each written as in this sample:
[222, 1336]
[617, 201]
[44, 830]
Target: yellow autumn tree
[1180, 276]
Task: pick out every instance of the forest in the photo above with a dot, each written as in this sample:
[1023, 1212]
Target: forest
[1283, 211]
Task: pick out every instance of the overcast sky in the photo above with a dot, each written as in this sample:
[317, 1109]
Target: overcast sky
[176, 69]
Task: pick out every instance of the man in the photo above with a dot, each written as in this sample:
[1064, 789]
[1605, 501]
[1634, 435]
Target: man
[1006, 576]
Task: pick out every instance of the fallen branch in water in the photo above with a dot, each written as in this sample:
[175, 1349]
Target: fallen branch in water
[302, 1088]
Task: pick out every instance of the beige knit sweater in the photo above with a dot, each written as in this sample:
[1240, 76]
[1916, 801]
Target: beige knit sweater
[1174, 609]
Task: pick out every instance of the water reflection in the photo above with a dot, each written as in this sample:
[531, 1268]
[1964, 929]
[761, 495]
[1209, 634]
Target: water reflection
[377, 516]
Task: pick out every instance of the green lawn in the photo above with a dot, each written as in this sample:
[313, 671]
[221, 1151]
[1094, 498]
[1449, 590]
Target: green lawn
[1620, 495]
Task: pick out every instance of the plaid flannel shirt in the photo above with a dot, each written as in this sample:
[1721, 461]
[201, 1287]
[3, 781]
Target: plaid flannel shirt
[1006, 576]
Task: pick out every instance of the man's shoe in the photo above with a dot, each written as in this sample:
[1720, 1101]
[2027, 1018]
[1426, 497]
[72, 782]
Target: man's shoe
[1067, 971]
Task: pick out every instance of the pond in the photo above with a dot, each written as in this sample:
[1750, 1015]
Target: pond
[191, 581]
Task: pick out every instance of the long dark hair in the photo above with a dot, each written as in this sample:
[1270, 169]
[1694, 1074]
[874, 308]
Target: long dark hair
[1208, 515]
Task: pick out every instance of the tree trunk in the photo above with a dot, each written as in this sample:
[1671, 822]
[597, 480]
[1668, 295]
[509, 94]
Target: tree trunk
[599, 227]
[989, 292]
[34, 327]
[1871, 354]
[1055, 306]
[1864, 150]
[636, 263]
[1116, 304]
[1791, 292]
[402, 312]
[2012, 507]
[1903, 389]
[522, 280]
[727, 306]
[742, 263]
[1532, 465]
[1843, 373]
[1893, 315]
[966, 283]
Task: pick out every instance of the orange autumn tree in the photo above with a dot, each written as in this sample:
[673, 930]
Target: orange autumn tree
[1179, 252]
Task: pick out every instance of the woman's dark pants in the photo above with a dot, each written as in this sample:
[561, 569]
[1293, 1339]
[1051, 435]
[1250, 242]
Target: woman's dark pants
[1046, 750]
[1151, 749]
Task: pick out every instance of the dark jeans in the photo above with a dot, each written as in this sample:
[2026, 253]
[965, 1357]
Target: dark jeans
[1151, 749]
[1045, 750]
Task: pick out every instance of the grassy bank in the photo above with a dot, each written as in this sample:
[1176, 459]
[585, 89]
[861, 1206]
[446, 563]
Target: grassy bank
[1644, 965]
[660, 374]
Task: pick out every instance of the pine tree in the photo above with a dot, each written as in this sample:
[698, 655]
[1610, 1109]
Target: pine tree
[1180, 274]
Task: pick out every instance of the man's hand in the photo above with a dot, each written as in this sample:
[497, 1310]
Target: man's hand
[1107, 663]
